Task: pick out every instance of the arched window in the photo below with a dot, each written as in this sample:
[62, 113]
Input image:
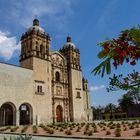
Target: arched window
[57, 76]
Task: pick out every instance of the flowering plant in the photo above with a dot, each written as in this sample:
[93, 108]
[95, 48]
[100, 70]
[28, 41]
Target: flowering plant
[125, 48]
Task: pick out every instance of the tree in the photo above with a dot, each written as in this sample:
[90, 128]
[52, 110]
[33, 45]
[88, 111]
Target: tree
[126, 101]
[135, 96]
[110, 108]
[125, 48]
[97, 112]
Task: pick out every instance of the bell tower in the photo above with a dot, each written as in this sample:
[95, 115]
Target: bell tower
[75, 90]
[72, 54]
[35, 55]
[34, 43]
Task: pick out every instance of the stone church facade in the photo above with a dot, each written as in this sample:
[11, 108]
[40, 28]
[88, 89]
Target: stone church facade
[47, 87]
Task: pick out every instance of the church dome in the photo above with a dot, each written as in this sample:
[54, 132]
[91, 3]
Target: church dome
[36, 27]
[69, 43]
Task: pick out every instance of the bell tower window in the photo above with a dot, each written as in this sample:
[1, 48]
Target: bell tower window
[78, 95]
[57, 76]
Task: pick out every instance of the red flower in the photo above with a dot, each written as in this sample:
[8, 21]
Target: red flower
[106, 45]
[117, 50]
[131, 48]
[124, 34]
[123, 53]
[133, 62]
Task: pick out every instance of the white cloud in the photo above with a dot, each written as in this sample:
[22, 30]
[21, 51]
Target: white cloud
[95, 88]
[8, 45]
[55, 16]
[56, 13]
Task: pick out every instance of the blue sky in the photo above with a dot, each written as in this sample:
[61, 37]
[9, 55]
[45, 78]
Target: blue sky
[88, 22]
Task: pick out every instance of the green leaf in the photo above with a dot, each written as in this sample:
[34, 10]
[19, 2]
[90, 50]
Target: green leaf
[105, 65]
[108, 68]
[101, 55]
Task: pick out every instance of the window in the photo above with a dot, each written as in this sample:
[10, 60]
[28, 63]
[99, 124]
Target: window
[57, 76]
[78, 95]
[39, 88]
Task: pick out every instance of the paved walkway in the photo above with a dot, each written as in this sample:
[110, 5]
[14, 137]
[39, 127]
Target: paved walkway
[36, 138]
[61, 138]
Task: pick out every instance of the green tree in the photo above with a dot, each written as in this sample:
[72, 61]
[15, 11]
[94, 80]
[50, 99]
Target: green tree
[126, 101]
[110, 108]
[97, 112]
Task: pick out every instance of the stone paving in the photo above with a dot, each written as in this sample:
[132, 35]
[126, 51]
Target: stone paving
[37, 137]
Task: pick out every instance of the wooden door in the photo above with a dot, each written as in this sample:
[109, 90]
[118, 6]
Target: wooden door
[59, 114]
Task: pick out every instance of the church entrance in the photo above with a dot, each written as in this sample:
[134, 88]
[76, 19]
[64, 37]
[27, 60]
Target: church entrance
[59, 114]
[7, 114]
[25, 114]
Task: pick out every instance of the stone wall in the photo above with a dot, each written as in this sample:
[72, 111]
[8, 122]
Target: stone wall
[16, 85]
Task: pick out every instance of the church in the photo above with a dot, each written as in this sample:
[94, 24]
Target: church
[47, 87]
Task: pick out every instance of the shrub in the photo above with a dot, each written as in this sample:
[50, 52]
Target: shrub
[85, 132]
[104, 128]
[108, 132]
[131, 127]
[78, 129]
[129, 124]
[34, 128]
[50, 131]
[87, 126]
[112, 127]
[118, 132]
[118, 125]
[95, 130]
[90, 133]
[77, 124]
[125, 129]
[123, 122]
[46, 128]
[14, 129]
[137, 126]
[5, 128]
[71, 128]
[101, 126]
[82, 124]
[137, 133]
[61, 129]
[68, 132]
[124, 125]
[93, 125]
[24, 129]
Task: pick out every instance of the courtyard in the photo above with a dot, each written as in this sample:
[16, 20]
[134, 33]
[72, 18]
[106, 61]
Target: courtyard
[93, 130]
